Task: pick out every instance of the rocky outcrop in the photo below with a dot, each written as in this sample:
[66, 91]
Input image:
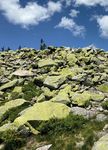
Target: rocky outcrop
[53, 83]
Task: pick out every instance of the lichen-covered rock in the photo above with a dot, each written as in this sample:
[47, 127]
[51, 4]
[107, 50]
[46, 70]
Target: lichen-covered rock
[41, 98]
[102, 144]
[9, 84]
[22, 73]
[81, 99]
[50, 80]
[54, 82]
[46, 62]
[17, 89]
[97, 96]
[67, 72]
[9, 105]
[43, 111]
[71, 58]
[63, 95]
[103, 87]
[48, 92]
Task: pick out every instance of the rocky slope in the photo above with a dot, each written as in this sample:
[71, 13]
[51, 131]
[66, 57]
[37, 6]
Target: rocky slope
[52, 83]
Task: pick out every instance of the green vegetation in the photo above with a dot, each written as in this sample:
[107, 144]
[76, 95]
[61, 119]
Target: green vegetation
[12, 140]
[30, 90]
[67, 133]
[105, 105]
[70, 123]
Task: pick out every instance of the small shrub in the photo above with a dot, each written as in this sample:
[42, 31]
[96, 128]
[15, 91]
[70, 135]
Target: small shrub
[89, 137]
[105, 105]
[30, 90]
[70, 124]
[12, 139]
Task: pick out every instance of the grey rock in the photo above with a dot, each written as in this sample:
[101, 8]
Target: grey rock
[101, 117]
[46, 147]
[84, 112]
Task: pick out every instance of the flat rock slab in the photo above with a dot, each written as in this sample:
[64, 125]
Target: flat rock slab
[9, 105]
[22, 73]
[43, 111]
[9, 84]
[46, 63]
[53, 82]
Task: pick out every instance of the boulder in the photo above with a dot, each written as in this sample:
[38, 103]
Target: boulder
[101, 144]
[103, 87]
[40, 79]
[45, 147]
[9, 84]
[81, 99]
[9, 105]
[17, 89]
[48, 93]
[97, 96]
[71, 58]
[41, 98]
[79, 77]
[101, 117]
[22, 73]
[42, 111]
[63, 95]
[67, 72]
[46, 63]
[83, 112]
[53, 82]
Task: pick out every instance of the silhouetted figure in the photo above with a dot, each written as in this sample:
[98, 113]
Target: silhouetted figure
[2, 49]
[19, 48]
[8, 49]
[42, 45]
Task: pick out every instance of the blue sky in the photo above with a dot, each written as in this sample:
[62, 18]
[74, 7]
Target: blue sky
[74, 23]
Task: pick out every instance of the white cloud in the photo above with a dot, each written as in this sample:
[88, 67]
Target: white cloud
[67, 2]
[92, 2]
[31, 14]
[74, 13]
[103, 25]
[70, 25]
[87, 2]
